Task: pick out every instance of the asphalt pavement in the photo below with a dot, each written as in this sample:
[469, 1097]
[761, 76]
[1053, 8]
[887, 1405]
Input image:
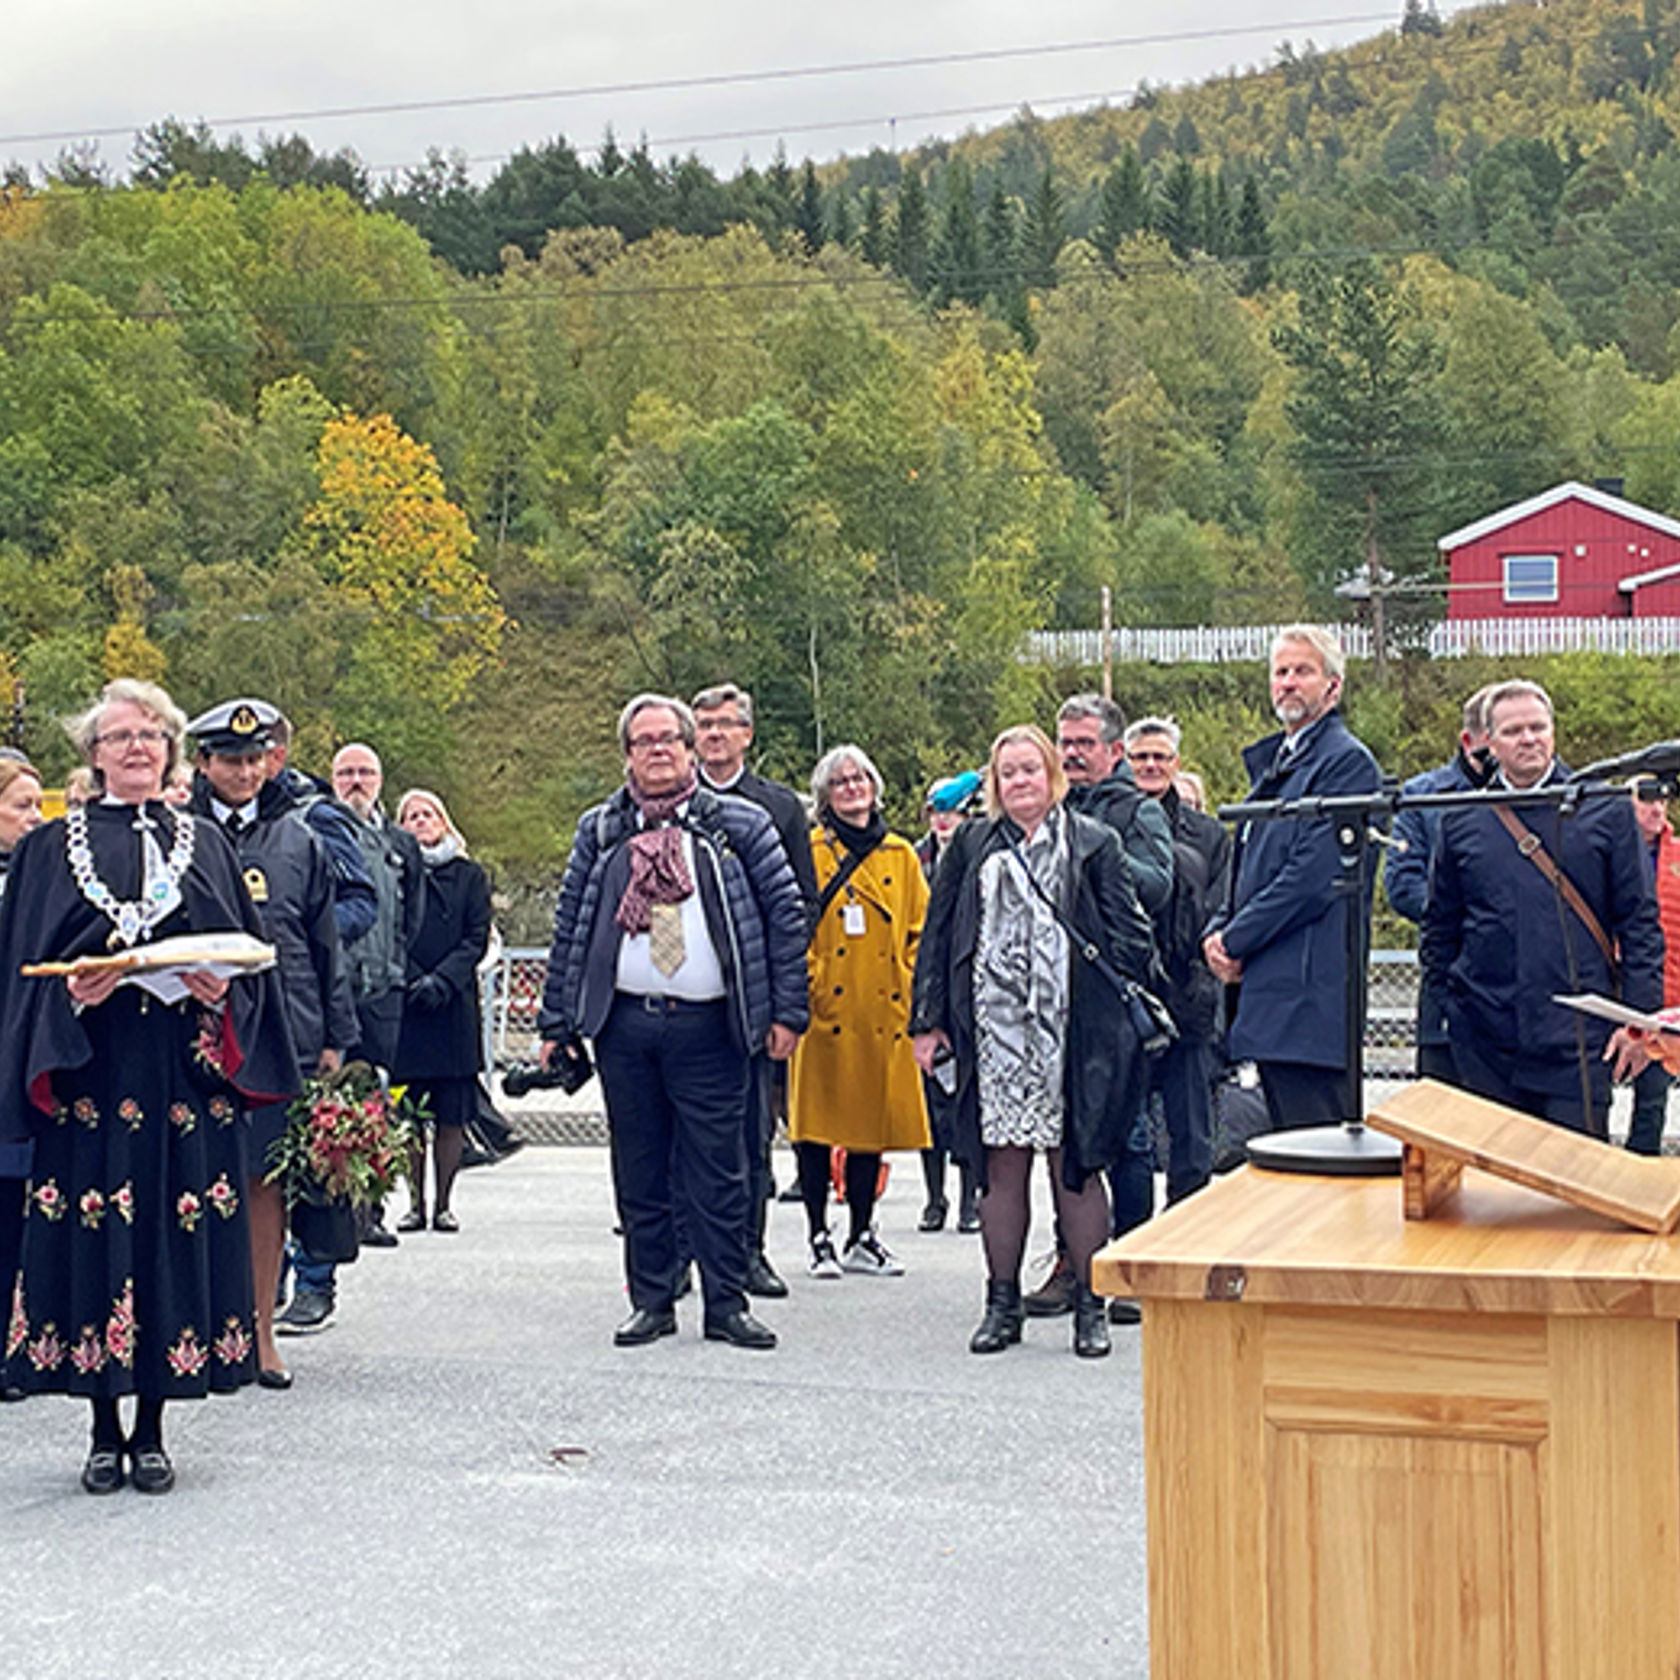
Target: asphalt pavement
[469, 1479]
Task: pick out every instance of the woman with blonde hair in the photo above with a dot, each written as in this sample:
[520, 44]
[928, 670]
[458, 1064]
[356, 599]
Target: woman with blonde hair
[439, 1052]
[1034, 932]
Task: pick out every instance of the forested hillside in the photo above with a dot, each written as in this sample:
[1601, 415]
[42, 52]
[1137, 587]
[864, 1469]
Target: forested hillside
[459, 466]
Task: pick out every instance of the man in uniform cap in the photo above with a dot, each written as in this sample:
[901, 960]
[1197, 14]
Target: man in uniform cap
[289, 878]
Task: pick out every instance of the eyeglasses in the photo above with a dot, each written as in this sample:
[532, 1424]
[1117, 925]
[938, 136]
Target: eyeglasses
[1079, 743]
[665, 738]
[350, 774]
[1147, 757]
[125, 738]
[855, 780]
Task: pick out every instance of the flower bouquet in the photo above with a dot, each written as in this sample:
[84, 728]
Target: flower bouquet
[346, 1143]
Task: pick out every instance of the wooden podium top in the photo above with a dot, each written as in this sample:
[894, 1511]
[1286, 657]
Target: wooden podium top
[1290, 1239]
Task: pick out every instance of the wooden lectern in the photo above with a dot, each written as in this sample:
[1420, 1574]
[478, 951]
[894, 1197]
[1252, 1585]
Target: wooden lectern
[1441, 1444]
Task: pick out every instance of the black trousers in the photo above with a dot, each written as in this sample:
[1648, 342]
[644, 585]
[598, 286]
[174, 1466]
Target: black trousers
[675, 1085]
[1299, 1094]
[1556, 1098]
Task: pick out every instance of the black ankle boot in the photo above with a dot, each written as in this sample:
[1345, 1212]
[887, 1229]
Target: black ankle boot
[1090, 1325]
[1001, 1326]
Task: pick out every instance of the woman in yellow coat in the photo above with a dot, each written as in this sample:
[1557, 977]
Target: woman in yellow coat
[854, 1084]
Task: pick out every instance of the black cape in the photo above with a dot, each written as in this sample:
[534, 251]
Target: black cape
[136, 1268]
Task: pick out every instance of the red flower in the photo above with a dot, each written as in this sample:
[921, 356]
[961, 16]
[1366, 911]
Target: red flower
[187, 1358]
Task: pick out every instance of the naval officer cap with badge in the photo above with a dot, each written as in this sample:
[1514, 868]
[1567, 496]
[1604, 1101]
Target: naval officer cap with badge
[233, 740]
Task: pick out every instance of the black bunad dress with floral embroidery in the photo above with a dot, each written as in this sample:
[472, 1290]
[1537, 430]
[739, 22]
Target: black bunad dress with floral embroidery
[136, 1269]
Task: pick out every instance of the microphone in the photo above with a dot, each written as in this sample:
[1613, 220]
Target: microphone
[1662, 759]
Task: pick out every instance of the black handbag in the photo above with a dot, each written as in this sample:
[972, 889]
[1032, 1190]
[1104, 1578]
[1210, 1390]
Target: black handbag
[1149, 1017]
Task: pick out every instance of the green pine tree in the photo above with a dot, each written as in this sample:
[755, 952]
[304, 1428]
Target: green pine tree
[1044, 234]
[873, 244]
[1253, 238]
[910, 233]
[957, 264]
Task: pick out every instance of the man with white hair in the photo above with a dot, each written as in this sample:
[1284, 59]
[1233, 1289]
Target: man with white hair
[1183, 1075]
[1282, 936]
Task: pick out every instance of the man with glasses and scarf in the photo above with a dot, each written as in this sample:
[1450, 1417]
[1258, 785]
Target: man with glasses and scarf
[679, 949]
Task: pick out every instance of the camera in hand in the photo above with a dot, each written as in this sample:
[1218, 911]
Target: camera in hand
[569, 1070]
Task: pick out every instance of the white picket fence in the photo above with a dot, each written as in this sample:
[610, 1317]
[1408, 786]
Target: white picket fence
[1226, 644]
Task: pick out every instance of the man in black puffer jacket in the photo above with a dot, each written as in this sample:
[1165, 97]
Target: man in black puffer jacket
[679, 948]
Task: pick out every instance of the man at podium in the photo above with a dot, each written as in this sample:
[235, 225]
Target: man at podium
[1528, 902]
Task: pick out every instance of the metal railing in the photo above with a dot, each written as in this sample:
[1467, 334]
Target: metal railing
[513, 995]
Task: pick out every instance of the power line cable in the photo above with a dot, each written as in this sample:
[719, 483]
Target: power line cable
[734, 78]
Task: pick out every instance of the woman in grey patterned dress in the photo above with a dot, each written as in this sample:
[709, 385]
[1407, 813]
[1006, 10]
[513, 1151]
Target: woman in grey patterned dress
[1035, 1043]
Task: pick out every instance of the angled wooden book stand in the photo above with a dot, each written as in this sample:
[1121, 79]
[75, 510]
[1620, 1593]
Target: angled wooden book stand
[1444, 1130]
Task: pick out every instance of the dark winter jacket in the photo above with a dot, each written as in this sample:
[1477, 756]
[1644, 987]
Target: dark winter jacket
[1286, 921]
[1201, 864]
[354, 902]
[378, 960]
[793, 826]
[747, 890]
[1145, 834]
[1106, 1076]
[289, 878]
[441, 1022]
[1406, 872]
[1498, 941]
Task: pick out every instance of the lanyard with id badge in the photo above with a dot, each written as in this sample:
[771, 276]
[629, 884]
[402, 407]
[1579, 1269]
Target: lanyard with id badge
[853, 923]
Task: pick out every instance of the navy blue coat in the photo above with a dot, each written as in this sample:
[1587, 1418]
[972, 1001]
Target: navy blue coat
[1286, 923]
[1406, 873]
[753, 910]
[1498, 942]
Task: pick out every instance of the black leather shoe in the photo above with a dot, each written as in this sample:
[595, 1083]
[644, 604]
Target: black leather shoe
[1090, 1325]
[1000, 1328]
[376, 1236]
[740, 1329]
[1124, 1310]
[267, 1378]
[103, 1472]
[644, 1325]
[151, 1471]
[933, 1215]
[762, 1280]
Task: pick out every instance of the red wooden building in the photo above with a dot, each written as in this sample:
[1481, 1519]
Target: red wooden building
[1571, 552]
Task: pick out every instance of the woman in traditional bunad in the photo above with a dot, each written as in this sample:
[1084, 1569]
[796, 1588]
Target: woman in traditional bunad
[135, 1276]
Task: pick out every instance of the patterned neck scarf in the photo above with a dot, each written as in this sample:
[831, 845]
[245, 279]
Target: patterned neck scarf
[658, 870]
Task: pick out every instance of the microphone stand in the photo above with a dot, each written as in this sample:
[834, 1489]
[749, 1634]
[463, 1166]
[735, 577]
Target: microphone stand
[1352, 1150]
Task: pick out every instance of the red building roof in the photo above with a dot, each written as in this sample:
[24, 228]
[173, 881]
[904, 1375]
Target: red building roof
[1571, 552]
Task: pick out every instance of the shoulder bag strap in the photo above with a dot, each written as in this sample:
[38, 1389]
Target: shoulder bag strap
[835, 882]
[1529, 844]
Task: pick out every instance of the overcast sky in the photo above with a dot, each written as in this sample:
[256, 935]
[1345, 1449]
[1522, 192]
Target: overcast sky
[81, 66]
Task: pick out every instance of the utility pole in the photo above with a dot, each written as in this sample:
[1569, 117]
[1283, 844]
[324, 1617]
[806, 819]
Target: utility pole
[1378, 581]
[1108, 642]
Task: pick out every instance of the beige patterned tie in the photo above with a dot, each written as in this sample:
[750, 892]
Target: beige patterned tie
[665, 937]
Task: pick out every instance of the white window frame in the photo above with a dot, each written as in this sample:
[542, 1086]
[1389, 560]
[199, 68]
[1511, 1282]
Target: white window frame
[1528, 593]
